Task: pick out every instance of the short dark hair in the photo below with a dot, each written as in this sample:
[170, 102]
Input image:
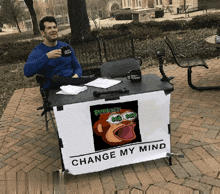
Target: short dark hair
[46, 19]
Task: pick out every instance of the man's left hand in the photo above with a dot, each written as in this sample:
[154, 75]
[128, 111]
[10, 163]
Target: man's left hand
[75, 76]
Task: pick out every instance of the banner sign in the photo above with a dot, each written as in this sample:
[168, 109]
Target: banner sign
[98, 135]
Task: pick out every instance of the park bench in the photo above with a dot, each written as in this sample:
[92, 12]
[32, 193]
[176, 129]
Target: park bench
[106, 56]
[189, 64]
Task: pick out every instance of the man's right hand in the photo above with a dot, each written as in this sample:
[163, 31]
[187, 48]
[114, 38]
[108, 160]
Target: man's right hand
[54, 54]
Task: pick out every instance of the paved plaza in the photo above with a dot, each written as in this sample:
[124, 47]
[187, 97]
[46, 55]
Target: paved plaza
[30, 159]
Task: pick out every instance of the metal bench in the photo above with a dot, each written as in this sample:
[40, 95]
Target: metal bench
[189, 64]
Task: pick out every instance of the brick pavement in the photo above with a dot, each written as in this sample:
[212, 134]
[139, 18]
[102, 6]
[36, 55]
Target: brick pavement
[29, 155]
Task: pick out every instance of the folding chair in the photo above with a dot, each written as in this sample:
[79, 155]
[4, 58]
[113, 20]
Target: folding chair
[119, 68]
[41, 80]
[88, 54]
[120, 56]
[189, 64]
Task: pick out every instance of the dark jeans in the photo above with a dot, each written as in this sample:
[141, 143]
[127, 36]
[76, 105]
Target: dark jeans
[58, 81]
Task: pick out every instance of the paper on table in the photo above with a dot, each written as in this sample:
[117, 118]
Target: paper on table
[71, 90]
[103, 83]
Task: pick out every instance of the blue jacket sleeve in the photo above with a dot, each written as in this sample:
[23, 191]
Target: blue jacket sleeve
[35, 63]
[75, 64]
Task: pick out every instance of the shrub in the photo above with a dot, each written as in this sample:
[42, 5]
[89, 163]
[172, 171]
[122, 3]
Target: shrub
[159, 13]
[137, 30]
[123, 15]
[167, 25]
[107, 31]
[204, 21]
[143, 33]
[17, 51]
[127, 16]
[121, 27]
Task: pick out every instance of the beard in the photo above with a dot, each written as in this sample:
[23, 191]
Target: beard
[51, 39]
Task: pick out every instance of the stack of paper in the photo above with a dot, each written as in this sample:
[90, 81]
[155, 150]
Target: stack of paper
[103, 83]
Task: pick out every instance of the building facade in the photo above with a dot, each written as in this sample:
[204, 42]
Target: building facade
[102, 8]
[138, 4]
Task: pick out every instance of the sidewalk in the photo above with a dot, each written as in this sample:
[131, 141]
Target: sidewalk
[29, 154]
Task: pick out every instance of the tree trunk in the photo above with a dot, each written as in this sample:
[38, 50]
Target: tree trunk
[15, 18]
[16, 21]
[78, 17]
[30, 6]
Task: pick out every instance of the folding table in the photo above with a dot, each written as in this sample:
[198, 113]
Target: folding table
[125, 124]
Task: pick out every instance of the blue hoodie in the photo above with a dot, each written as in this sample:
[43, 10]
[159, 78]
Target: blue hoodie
[39, 63]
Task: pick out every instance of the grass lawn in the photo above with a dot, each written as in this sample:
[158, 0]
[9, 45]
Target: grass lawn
[189, 43]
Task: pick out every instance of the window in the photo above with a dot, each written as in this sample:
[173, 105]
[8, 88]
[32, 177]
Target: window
[138, 3]
[170, 2]
[58, 1]
[45, 1]
[159, 2]
[129, 3]
[100, 14]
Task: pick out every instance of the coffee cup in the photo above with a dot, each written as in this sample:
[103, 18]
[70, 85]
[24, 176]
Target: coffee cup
[134, 75]
[66, 51]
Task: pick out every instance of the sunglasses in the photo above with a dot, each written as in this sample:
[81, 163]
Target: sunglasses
[118, 118]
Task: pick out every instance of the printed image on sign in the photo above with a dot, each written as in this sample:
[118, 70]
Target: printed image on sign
[115, 124]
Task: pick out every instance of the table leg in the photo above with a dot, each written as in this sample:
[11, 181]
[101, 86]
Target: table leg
[170, 160]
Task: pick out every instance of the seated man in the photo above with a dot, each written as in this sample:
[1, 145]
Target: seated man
[47, 59]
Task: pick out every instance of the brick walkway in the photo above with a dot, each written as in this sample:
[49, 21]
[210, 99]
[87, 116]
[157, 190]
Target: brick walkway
[29, 155]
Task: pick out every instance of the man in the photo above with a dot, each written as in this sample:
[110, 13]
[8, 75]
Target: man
[47, 59]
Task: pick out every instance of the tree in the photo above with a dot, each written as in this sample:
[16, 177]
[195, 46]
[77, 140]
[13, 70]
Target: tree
[1, 19]
[12, 12]
[79, 20]
[95, 6]
[60, 8]
[30, 6]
